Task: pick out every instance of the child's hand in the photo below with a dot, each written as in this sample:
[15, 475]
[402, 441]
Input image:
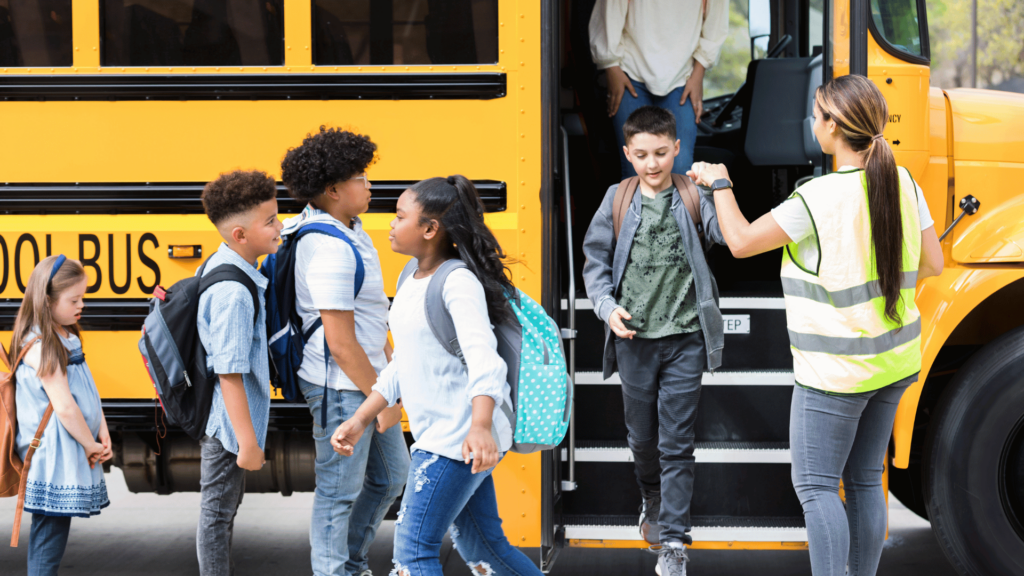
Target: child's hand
[479, 445]
[389, 417]
[346, 437]
[250, 457]
[615, 321]
[94, 453]
[104, 439]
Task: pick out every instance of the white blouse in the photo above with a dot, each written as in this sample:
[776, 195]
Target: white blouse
[436, 389]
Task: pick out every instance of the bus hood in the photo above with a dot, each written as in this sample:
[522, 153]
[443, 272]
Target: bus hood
[988, 156]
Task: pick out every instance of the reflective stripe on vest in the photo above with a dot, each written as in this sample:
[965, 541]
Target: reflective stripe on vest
[839, 335]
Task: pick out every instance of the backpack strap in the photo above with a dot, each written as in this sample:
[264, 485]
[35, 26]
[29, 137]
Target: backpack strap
[691, 199]
[438, 316]
[32, 446]
[409, 270]
[332, 231]
[620, 204]
[231, 273]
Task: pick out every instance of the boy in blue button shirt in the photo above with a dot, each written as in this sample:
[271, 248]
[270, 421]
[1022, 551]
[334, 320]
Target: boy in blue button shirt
[243, 207]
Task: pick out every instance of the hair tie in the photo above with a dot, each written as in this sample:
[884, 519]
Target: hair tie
[877, 137]
[56, 265]
[451, 180]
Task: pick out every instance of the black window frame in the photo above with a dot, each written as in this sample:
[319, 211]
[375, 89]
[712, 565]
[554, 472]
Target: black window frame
[925, 59]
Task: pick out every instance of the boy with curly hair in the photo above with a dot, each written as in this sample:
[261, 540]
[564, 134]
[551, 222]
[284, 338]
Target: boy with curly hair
[243, 208]
[328, 173]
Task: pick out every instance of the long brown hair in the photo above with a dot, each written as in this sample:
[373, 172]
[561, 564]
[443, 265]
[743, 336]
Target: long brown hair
[860, 111]
[40, 294]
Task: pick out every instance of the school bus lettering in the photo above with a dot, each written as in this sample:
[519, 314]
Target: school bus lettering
[23, 239]
[894, 118]
[91, 262]
[148, 262]
[122, 269]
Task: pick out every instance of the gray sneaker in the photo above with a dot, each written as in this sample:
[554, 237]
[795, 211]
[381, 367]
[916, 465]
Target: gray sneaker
[650, 529]
[671, 560]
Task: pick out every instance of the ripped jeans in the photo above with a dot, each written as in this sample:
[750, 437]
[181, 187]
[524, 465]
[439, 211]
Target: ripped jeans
[442, 495]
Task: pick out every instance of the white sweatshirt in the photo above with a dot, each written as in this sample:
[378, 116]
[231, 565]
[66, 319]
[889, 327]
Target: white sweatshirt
[656, 41]
[436, 389]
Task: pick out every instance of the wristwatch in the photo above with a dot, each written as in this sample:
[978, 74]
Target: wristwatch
[720, 184]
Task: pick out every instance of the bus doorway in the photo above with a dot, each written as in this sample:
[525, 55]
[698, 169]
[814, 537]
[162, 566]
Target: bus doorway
[756, 109]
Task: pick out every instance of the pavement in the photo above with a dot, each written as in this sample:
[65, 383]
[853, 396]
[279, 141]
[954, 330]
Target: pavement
[155, 536]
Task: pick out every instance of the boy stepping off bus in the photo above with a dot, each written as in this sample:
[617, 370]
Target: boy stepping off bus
[648, 280]
[243, 207]
[341, 305]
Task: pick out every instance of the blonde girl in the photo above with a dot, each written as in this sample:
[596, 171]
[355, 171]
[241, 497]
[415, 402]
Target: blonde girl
[64, 480]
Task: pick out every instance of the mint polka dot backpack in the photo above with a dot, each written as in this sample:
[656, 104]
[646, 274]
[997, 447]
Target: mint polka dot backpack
[531, 346]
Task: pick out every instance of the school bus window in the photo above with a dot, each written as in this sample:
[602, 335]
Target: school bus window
[35, 33]
[192, 33]
[355, 32]
[815, 25]
[897, 22]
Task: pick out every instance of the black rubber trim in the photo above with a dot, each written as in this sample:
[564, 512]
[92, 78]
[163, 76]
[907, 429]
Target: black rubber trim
[183, 198]
[271, 86]
[922, 21]
[126, 314]
[143, 415]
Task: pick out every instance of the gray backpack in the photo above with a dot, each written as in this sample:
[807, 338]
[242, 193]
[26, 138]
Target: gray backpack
[531, 346]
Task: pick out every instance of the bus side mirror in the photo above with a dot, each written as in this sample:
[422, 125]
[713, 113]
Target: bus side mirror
[759, 26]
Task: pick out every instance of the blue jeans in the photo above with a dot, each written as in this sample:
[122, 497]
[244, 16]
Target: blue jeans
[843, 436]
[445, 496]
[686, 124]
[352, 493]
[46, 544]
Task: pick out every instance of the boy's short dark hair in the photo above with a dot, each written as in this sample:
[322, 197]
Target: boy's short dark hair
[330, 156]
[649, 120]
[237, 192]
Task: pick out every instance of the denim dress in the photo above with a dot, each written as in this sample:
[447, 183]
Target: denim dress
[60, 482]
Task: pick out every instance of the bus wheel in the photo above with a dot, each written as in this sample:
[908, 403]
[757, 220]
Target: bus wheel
[974, 462]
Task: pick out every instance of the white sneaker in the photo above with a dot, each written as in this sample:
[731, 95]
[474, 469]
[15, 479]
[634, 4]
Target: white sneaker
[366, 573]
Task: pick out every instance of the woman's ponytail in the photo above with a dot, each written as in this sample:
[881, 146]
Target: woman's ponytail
[455, 203]
[860, 111]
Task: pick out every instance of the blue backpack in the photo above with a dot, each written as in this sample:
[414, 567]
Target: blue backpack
[531, 346]
[285, 337]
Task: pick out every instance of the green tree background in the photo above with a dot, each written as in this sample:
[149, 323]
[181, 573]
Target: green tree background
[1000, 45]
[1000, 42]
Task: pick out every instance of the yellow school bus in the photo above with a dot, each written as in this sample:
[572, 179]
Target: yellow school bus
[114, 113]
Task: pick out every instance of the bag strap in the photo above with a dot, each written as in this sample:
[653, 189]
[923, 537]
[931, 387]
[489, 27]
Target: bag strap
[620, 204]
[438, 316]
[332, 231]
[691, 199]
[35, 443]
[231, 273]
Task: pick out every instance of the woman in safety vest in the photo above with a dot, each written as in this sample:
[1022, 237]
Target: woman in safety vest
[856, 241]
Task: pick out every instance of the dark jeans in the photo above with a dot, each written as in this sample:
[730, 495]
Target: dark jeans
[843, 436]
[660, 390]
[46, 544]
[222, 484]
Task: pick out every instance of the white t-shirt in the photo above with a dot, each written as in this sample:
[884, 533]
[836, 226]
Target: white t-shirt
[325, 270]
[795, 221]
[436, 389]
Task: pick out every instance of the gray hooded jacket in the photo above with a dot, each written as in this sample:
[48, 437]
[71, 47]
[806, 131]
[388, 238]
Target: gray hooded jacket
[606, 259]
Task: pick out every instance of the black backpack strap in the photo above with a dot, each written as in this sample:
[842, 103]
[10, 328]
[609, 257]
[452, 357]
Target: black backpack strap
[231, 273]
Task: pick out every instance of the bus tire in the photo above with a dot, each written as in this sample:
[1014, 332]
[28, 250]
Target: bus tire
[974, 462]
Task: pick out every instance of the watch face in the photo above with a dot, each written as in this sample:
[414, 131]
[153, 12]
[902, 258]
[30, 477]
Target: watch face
[721, 183]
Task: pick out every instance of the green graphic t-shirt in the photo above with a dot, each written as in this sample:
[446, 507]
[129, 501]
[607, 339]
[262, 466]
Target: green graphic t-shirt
[657, 284]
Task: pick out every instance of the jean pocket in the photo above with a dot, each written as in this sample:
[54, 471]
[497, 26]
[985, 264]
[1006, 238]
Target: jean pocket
[314, 401]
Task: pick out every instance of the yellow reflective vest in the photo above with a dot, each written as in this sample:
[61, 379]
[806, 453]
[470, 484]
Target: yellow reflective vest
[838, 333]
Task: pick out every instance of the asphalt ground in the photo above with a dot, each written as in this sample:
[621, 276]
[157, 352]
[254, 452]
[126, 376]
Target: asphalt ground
[150, 535]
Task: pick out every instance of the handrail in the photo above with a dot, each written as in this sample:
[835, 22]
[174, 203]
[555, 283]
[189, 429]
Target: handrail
[570, 334]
